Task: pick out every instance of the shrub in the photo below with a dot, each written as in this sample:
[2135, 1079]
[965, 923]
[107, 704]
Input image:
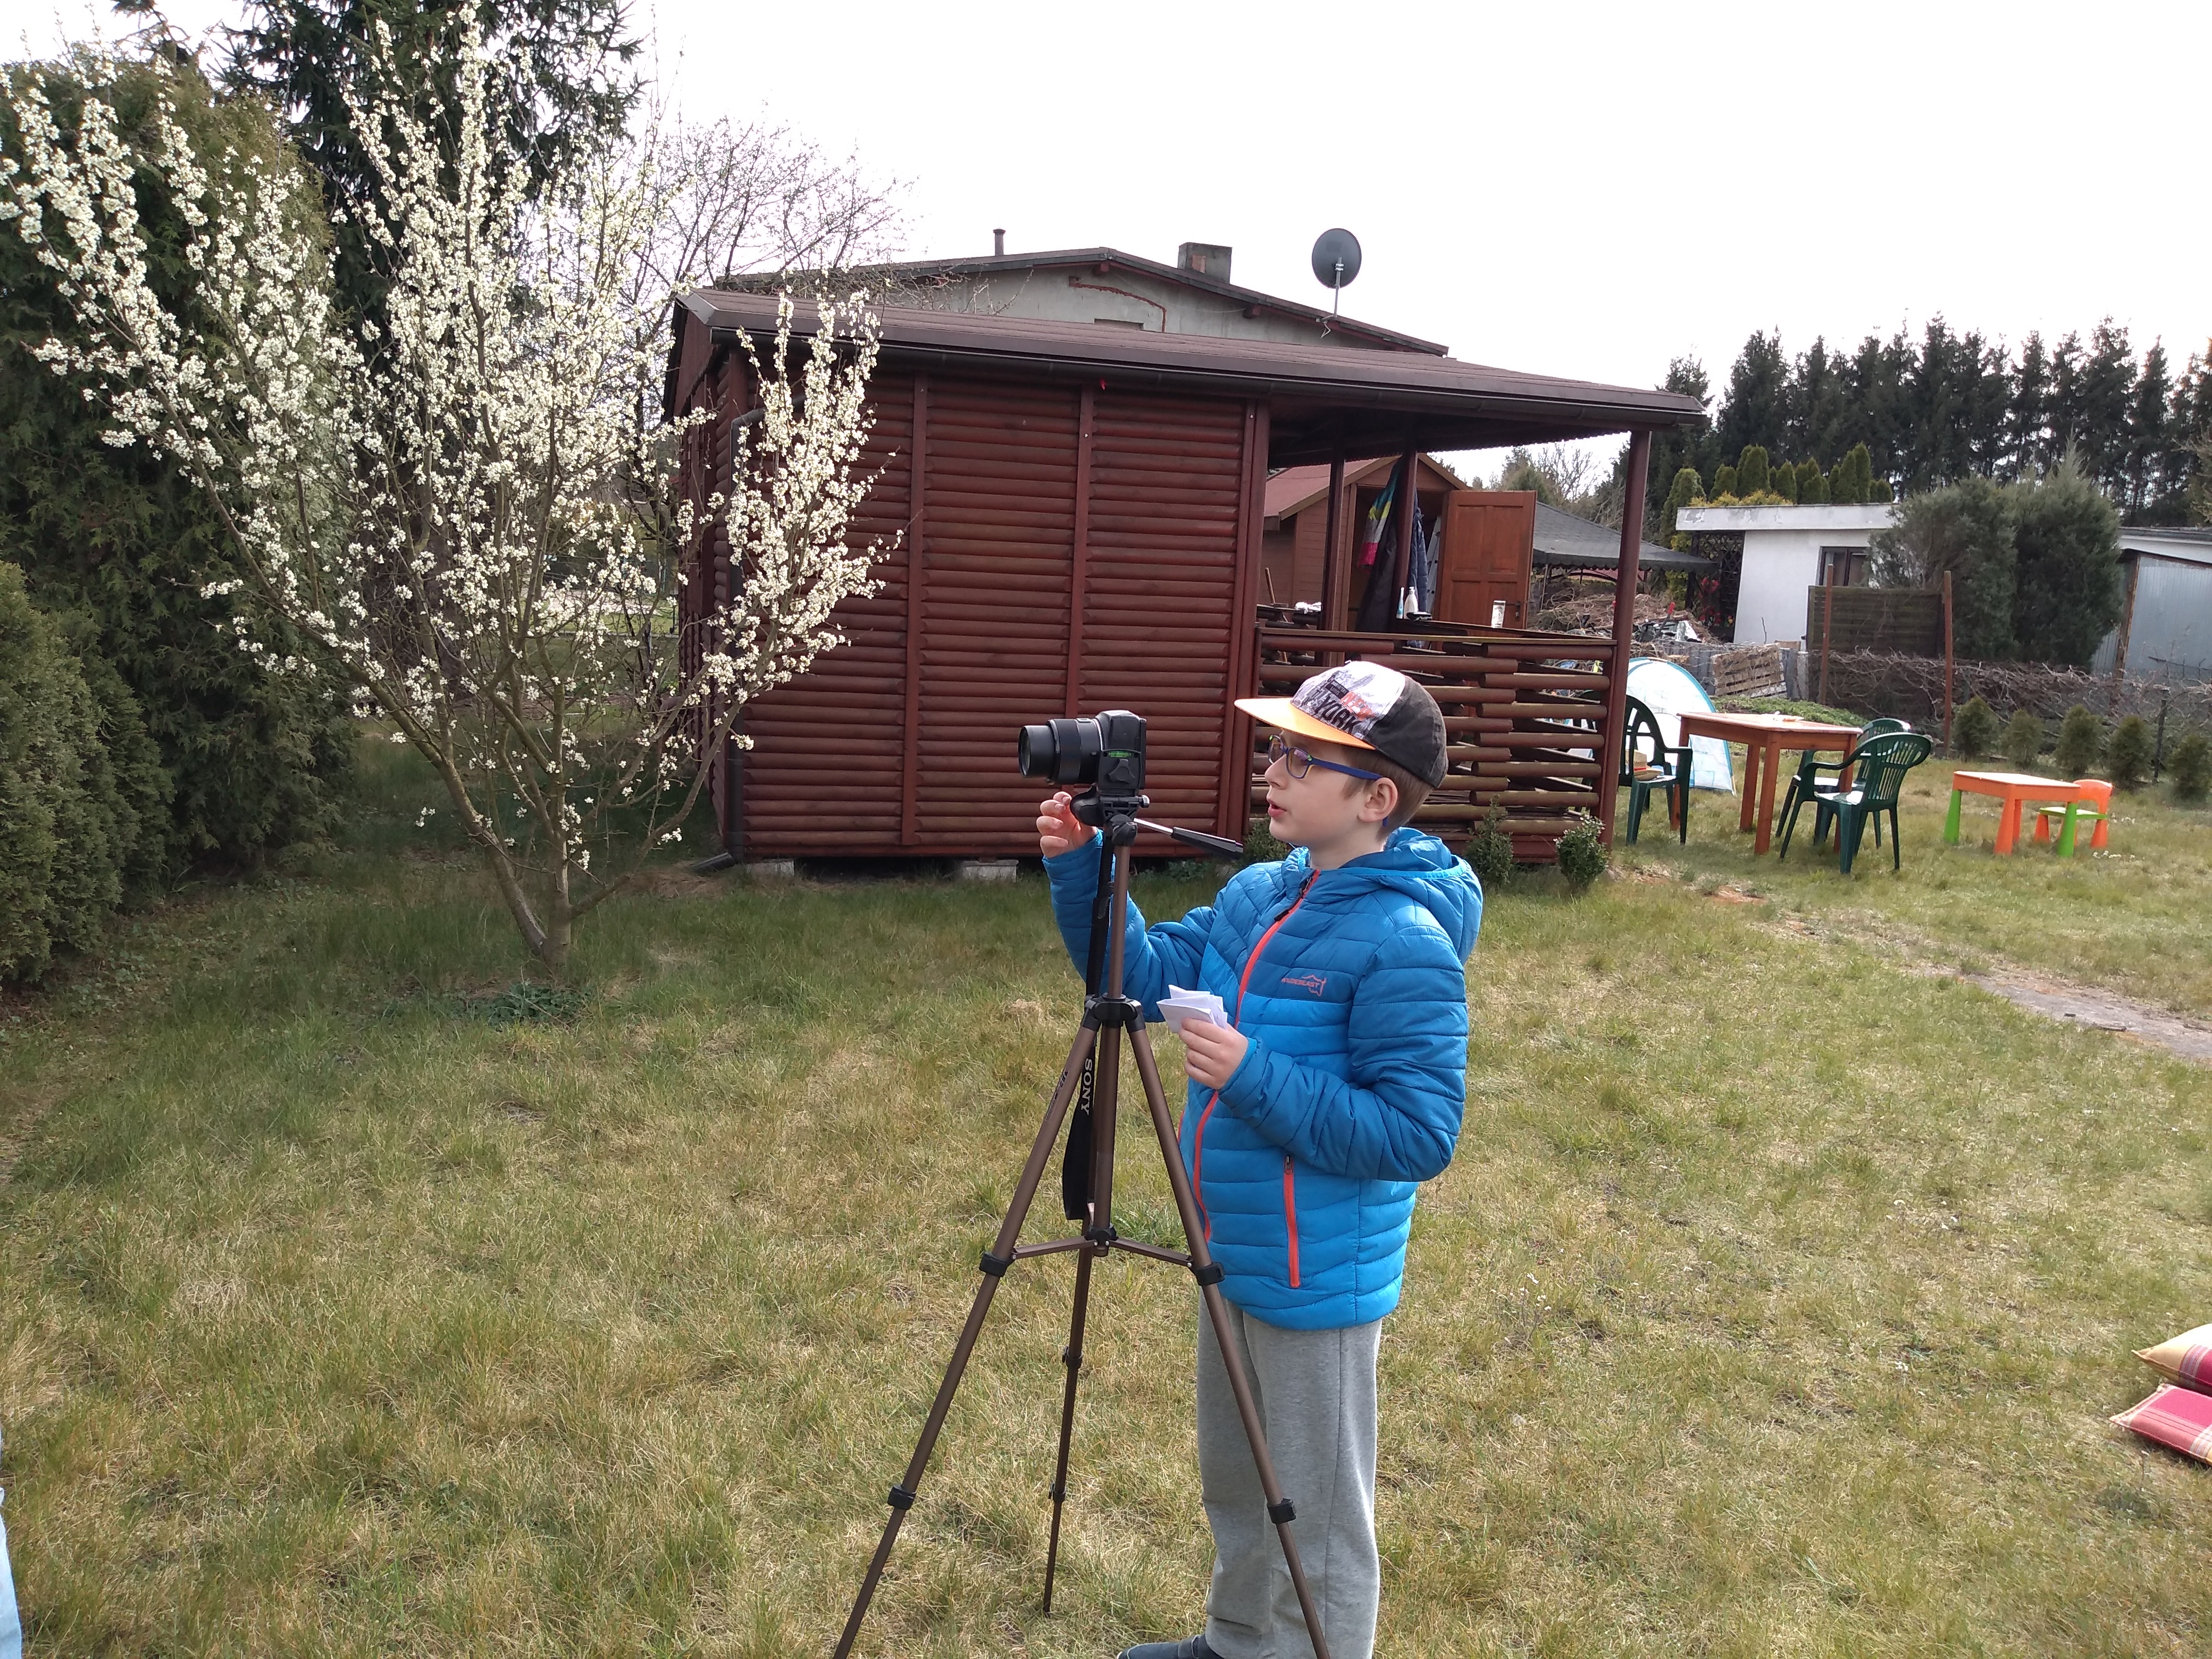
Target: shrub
[1812, 483]
[2081, 739]
[1724, 481]
[1688, 487]
[2023, 738]
[1260, 846]
[1489, 851]
[1973, 729]
[67, 831]
[2190, 768]
[1754, 470]
[1848, 484]
[1581, 855]
[1966, 528]
[2067, 596]
[2127, 758]
[117, 542]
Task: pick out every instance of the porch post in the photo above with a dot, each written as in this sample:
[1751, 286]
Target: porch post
[1624, 630]
[1332, 557]
[1401, 561]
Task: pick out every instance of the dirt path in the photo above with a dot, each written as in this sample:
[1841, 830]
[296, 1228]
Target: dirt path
[2037, 992]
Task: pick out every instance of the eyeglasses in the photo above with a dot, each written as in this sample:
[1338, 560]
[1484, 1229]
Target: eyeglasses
[1297, 762]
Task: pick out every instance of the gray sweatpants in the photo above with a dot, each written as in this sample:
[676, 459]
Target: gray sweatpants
[1316, 1392]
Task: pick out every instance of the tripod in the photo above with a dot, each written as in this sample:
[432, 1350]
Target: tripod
[1093, 1071]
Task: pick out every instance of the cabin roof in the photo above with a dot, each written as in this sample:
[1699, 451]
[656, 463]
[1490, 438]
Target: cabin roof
[1324, 401]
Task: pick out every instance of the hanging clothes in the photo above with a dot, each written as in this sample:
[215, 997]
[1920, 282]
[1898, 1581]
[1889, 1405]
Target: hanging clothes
[1378, 518]
[1418, 577]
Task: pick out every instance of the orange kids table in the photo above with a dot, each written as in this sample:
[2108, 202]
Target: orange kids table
[2014, 790]
[1764, 737]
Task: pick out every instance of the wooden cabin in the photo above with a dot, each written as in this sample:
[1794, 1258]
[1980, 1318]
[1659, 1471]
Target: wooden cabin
[1071, 517]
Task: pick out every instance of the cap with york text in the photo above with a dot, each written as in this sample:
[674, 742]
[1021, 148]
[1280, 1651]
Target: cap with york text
[1366, 705]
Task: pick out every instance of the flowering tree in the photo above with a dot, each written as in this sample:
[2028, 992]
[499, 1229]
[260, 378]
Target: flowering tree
[458, 502]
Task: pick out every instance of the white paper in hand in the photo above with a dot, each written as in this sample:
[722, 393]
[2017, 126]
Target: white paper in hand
[1181, 1005]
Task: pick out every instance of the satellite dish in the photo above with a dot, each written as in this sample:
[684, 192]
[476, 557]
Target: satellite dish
[1336, 260]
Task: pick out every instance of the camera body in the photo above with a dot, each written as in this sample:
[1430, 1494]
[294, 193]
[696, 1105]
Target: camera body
[1105, 752]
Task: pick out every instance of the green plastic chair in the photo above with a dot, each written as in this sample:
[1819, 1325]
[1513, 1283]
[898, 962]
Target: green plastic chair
[1668, 764]
[1880, 764]
[1806, 783]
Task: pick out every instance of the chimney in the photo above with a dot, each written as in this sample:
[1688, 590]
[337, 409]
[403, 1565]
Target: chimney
[1206, 259]
[999, 243]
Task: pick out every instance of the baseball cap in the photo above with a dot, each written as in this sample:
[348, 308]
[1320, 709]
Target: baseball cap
[1366, 705]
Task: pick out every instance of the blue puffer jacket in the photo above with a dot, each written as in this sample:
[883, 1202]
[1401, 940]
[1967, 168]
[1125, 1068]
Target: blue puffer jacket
[1351, 987]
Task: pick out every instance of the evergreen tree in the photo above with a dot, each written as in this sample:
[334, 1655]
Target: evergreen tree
[1820, 403]
[1756, 409]
[1675, 448]
[1724, 482]
[2081, 741]
[1688, 487]
[2063, 427]
[2067, 596]
[567, 85]
[1783, 481]
[2127, 756]
[2027, 449]
[1966, 529]
[2147, 443]
[1753, 470]
[1848, 484]
[1812, 483]
[2107, 388]
[1880, 491]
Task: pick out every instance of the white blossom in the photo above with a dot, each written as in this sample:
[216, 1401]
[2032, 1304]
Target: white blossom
[468, 503]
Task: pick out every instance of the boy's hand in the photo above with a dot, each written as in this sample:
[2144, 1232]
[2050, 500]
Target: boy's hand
[1058, 829]
[1211, 1051]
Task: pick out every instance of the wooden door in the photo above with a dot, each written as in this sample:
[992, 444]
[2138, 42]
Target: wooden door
[1489, 536]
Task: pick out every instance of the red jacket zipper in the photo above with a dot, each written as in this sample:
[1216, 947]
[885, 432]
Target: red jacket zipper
[1198, 1137]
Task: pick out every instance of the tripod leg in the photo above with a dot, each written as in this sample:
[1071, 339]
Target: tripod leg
[995, 1264]
[1072, 1359]
[1217, 1310]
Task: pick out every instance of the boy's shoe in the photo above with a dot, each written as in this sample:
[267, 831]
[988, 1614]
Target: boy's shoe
[1191, 1647]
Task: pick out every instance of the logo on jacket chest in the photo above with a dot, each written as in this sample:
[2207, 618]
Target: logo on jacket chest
[1311, 984]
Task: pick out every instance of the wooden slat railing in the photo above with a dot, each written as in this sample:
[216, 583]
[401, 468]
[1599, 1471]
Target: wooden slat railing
[1524, 720]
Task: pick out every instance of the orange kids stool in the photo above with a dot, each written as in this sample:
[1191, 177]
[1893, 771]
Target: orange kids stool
[2092, 799]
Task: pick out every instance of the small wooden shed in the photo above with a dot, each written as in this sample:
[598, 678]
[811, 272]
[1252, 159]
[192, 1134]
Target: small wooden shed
[1072, 519]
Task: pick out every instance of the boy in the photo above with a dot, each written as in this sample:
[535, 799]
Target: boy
[1309, 1123]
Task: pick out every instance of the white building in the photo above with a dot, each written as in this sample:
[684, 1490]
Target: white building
[2166, 607]
[1786, 550]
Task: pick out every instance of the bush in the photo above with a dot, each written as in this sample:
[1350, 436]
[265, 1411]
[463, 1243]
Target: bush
[1812, 483]
[2127, 758]
[116, 541]
[2190, 768]
[1260, 846]
[2081, 739]
[1724, 481]
[1489, 851]
[1754, 470]
[1966, 528]
[2023, 738]
[69, 830]
[1847, 484]
[1974, 729]
[2067, 595]
[1582, 855]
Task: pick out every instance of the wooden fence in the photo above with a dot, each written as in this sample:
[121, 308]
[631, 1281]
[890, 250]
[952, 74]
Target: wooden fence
[1905, 620]
[1525, 721]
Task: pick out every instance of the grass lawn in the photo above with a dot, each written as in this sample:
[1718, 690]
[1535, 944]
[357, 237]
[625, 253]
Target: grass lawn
[1774, 1304]
[2133, 917]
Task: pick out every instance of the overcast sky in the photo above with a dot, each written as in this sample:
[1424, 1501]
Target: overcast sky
[1587, 190]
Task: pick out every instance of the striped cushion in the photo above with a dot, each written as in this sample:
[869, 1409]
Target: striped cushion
[2179, 1417]
[2186, 1359]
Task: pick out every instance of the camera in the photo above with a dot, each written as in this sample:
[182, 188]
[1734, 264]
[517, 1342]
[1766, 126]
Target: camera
[1107, 750]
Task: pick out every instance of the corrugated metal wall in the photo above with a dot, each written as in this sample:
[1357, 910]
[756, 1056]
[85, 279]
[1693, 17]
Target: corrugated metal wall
[1032, 496]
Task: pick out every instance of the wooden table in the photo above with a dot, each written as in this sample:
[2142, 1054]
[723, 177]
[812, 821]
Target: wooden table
[1764, 737]
[2014, 790]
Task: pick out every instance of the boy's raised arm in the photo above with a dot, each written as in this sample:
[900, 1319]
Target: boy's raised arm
[1153, 957]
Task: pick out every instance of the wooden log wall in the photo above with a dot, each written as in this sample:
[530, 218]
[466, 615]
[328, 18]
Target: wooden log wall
[1525, 721]
[1046, 551]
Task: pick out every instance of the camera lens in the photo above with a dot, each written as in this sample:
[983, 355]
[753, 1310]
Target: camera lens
[1063, 750]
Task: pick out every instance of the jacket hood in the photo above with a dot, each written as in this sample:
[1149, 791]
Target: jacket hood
[1416, 864]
